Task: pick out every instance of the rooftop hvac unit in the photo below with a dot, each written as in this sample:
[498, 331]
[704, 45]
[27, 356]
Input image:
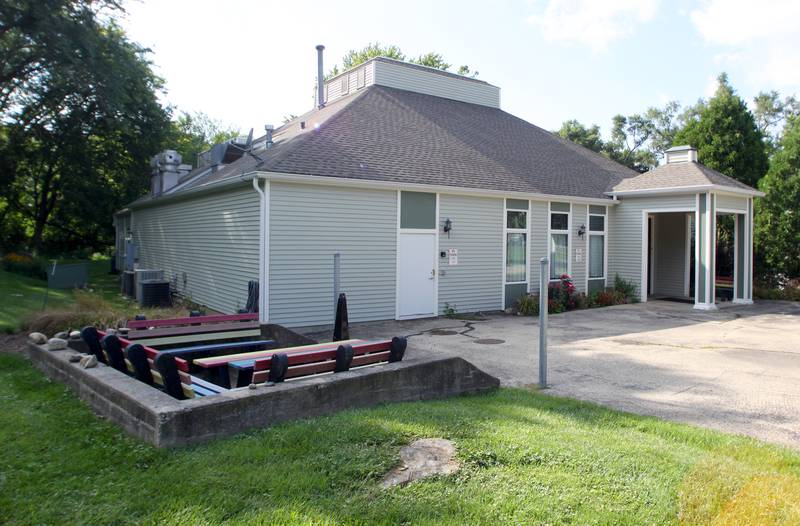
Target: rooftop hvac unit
[143, 274]
[154, 293]
[127, 283]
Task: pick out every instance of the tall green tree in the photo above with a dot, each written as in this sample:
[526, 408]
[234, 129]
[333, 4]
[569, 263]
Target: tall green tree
[726, 137]
[637, 141]
[777, 219]
[590, 137]
[81, 118]
[771, 113]
[354, 57]
[194, 133]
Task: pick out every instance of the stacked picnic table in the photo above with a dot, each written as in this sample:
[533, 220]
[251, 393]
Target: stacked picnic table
[207, 355]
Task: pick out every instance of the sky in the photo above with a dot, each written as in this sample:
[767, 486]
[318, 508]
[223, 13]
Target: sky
[248, 64]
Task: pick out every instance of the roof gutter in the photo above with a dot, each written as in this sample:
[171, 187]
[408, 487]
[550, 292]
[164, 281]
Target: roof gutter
[457, 190]
[720, 189]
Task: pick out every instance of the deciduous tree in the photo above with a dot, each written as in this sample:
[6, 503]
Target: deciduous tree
[777, 228]
[726, 137]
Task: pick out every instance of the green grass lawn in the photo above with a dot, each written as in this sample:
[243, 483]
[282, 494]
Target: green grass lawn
[21, 296]
[527, 459]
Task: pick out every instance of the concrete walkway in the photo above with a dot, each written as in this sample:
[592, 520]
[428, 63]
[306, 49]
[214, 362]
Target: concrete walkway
[736, 369]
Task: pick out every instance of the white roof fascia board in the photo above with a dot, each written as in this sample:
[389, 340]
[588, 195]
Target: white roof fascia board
[453, 190]
[687, 189]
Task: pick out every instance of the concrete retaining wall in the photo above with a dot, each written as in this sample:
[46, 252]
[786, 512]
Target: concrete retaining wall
[161, 420]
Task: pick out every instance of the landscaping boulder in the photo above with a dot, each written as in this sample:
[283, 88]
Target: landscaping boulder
[75, 357]
[89, 361]
[75, 335]
[38, 338]
[56, 344]
[423, 458]
[63, 335]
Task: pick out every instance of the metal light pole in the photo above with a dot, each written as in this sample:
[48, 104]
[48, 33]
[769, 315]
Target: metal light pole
[544, 281]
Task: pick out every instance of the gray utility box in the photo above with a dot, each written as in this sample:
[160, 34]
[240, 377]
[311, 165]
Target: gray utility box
[70, 276]
[140, 275]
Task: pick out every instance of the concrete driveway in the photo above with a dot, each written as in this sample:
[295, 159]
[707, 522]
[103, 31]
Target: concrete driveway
[736, 369]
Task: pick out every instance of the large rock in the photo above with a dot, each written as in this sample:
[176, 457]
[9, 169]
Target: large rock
[56, 344]
[423, 458]
[75, 335]
[63, 335]
[38, 338]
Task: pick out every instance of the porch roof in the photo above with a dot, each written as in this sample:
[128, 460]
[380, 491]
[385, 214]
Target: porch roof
[687, 176]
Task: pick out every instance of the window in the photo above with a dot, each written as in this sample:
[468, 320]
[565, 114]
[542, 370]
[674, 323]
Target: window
[559, 239]
[345, 84]
[597, 242]
[516, 245]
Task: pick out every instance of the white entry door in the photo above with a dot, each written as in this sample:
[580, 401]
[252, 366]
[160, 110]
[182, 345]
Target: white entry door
[416, 275]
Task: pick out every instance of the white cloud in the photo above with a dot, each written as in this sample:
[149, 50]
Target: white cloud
[591, 23]
[761, 39]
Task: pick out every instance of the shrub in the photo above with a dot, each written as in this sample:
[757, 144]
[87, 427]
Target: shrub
[24, 265]
[528, 305]
[603, 298]
[626, 289]
[787, 293]
[563, 294]
[92, 309]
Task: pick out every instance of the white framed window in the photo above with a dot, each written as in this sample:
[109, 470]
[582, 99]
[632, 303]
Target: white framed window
[516, 245]
[559, 239]
[598, 224]
[345, 84]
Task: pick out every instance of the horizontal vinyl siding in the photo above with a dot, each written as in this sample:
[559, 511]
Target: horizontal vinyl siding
[309, 224]
[475, 284]
[540, 219]
[432, 83]
[579, 268]
[213, 239]
[732, 202]
[625, 233]
[670, 255]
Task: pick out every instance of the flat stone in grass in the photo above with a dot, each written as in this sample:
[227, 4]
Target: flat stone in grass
[423, 458]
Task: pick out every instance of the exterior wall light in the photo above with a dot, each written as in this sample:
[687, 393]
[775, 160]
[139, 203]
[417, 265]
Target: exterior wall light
[448, 225]
[581, 231]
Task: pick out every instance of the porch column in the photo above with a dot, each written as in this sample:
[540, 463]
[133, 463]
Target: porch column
[743, 266]
[705, 252]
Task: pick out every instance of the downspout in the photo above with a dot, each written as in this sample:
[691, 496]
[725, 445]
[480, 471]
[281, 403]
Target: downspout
[263, 251]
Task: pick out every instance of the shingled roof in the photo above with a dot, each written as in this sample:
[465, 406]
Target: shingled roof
[679, 175]
[392, 135]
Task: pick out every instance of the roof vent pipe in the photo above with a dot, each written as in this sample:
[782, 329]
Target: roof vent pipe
[320, 78]
[268, 128]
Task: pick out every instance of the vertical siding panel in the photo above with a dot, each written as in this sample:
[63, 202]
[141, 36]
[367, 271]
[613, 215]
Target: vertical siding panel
[213, 239]
[670, 254]
[432, 83]
[309, 223]
[475, 284]
[625, 233]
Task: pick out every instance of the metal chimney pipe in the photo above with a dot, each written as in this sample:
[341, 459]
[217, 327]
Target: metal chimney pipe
[268, 128]
[320, 78]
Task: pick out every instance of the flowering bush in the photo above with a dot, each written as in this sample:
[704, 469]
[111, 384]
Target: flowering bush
[563, 294]
[562, 297]
[25, 265]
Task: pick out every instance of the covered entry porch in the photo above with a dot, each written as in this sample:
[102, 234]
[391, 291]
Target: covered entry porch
[686, 258]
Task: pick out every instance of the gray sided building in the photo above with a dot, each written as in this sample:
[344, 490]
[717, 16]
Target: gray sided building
[434, 198]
